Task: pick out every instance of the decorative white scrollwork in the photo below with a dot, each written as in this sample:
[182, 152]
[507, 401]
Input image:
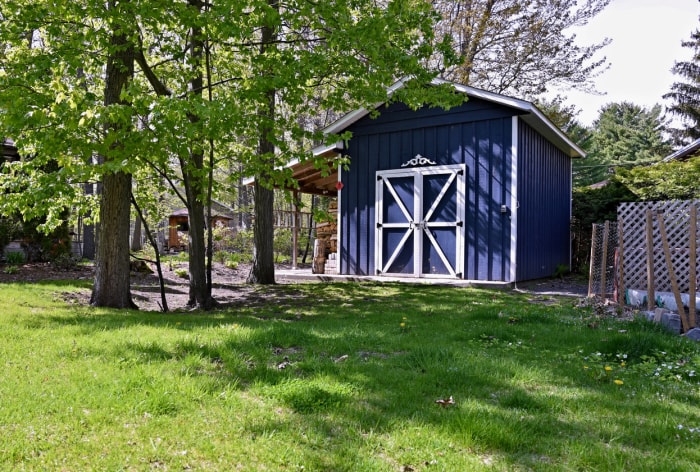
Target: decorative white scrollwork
[418, 161]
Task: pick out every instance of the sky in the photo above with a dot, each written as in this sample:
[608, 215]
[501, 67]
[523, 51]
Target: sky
[646, 41]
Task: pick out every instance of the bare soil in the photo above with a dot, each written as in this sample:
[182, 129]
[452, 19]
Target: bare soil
[229, 286]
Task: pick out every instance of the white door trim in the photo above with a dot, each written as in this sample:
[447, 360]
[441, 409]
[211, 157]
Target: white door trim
[420, 224]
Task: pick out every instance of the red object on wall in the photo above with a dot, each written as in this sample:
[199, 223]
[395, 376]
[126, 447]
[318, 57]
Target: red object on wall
[339, 186]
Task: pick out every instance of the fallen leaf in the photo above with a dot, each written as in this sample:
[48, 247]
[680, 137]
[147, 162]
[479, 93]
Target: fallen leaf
[445, 402]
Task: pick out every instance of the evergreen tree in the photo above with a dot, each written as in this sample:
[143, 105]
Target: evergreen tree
[624, 135]
[686, 94]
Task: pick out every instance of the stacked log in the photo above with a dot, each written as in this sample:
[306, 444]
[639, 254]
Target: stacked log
[326, 245]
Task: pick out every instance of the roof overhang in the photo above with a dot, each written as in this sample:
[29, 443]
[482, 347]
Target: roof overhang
[684, 153]
[312, 177]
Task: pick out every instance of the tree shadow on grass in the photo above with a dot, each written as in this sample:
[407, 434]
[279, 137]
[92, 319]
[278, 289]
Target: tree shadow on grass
[351, 360]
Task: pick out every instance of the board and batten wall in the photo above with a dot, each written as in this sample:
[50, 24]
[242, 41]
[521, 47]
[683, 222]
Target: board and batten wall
[477, 134]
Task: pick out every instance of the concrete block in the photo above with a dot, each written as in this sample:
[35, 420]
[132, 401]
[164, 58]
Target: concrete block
[672, 322]
[693, 334]
[658, 313]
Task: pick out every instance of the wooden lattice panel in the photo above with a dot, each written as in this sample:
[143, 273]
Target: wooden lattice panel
[604, 242]
[632, 221]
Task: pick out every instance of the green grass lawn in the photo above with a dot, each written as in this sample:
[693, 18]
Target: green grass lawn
[343, 377]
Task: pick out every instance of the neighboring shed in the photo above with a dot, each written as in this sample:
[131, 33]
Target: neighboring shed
[178, 222]
[479, 192]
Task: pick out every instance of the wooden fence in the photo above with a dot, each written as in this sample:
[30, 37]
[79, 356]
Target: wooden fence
[662, 238]
[640, 226]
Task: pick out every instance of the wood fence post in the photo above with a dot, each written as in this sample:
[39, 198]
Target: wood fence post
[295, 230]
[693, 233]
[590, 270]
[621, 262]
[604, 263]
[651, 302]
[671, 273]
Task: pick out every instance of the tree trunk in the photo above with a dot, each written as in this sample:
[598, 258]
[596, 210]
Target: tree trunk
[154, 244]
[88, 236]
[243, 203]
[195, 186]
[263, 269]
[136, 236]
[200, 295]
[112, 284]
[311, 229]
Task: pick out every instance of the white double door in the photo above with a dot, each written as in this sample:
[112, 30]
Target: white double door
[420, 221]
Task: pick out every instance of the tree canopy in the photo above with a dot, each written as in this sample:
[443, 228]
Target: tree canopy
[192, 85]
[521, 47]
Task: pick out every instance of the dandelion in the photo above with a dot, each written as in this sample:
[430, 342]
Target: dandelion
[608, 368]
[618, 382]
[403, 325]
[585, 367]
[622, 364]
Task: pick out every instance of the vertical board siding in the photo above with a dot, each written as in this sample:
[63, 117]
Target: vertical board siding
[544, 213]
[477, 134]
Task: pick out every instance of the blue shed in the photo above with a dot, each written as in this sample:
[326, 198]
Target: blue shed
[479, 192]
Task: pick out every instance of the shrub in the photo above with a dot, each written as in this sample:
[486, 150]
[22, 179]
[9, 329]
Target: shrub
[64, 262]
[224, 238]
[593, 205]
[220, 257]
[15, 258]
[243, 241]
[9, 230]
[282, 244]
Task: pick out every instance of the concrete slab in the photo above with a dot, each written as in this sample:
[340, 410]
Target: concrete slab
[305, 275]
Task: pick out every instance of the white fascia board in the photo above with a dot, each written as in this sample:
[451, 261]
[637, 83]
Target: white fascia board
[320, 150]
[346, 120]
[514, 200]
[537, 119]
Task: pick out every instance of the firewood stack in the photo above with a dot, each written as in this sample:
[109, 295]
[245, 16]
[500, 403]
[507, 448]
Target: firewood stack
[326, 245]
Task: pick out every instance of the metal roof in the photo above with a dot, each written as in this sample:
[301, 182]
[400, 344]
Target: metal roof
[684, 152]
[531, 115]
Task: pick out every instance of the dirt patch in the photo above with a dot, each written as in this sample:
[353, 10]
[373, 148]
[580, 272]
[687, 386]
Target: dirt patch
[229, 286]
[40, 271]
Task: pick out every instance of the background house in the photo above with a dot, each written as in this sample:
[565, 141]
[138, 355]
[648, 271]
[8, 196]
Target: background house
[178, 224]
